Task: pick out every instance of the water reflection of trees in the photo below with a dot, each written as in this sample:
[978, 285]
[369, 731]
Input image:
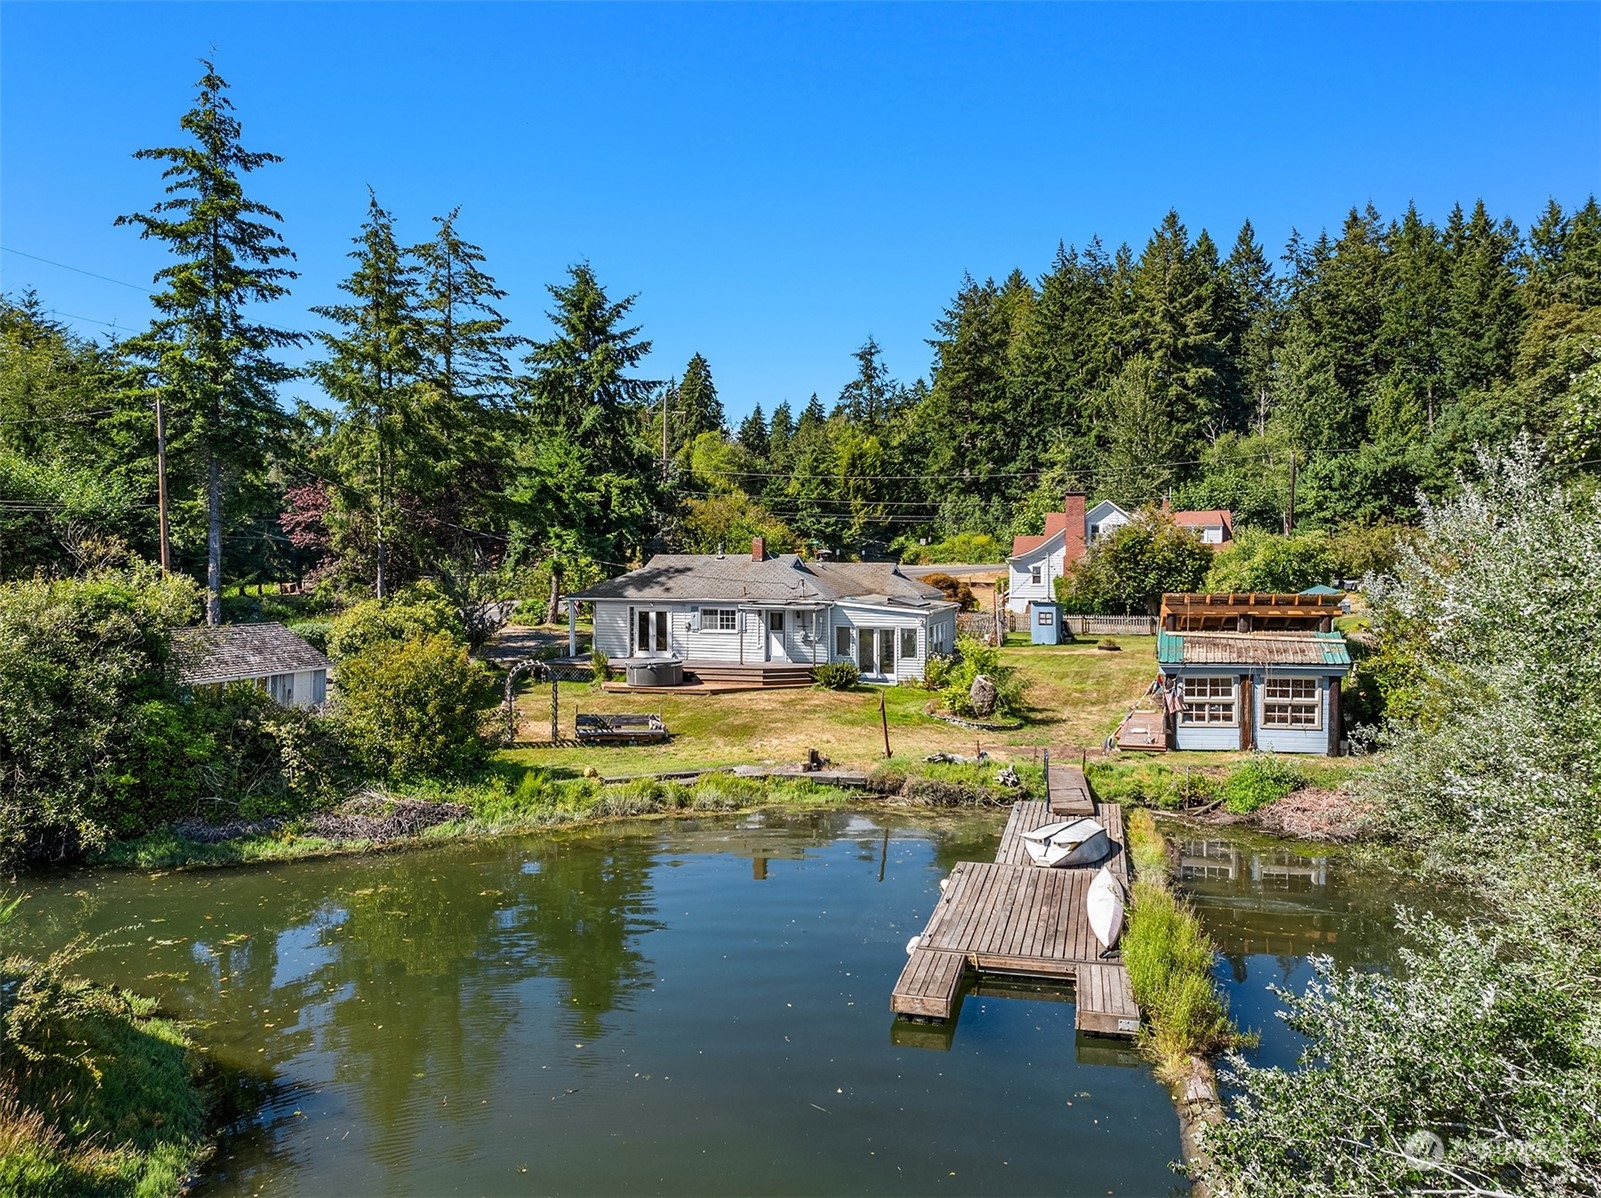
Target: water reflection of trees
[1261, 898]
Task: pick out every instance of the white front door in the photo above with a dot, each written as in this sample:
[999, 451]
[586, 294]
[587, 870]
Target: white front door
[650, 634]
[775, 637]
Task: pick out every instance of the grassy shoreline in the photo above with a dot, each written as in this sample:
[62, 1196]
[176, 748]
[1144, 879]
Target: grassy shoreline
[99, 1094]
[542, 800]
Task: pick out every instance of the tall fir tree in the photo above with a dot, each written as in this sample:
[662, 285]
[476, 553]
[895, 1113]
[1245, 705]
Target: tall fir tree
[753, 433]
[385, 444]
[589, 488]
[468, 386]
[213, 365]
[1258, 318]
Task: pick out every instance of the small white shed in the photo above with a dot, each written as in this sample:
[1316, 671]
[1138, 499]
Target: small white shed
[286, 666]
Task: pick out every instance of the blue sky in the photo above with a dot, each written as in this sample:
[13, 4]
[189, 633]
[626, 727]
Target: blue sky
[778, 182]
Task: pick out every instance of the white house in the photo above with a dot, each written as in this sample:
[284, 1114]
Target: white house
[752, 611]
[269, 655]
[1037, 562]
[1214, 526]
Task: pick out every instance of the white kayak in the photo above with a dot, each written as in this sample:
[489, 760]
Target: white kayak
[1070, 842]
[1104, 906]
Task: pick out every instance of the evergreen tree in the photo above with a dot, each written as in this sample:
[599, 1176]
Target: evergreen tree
[589, 490]
[1415, 275]
[753, 432]
[867, 398]
[1177, 323]
[1484, 315]
[212, 364]
[1257, 318]
[696, 408]
[468, 382]
[385, 444]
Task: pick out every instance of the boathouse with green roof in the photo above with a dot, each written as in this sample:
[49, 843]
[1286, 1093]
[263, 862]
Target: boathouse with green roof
[1231, 683]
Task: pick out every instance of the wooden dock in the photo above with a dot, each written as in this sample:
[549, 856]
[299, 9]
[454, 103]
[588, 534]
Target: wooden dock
[1009, 918]
[1068, 791]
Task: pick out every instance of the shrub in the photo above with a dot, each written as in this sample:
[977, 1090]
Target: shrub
[313, 632]
[420, 610]
[837, 675]
[90, 722]
[412, 707]
[1109, 644]
[1259, 781]
[937, 671]
[974, 657]
[954, 589]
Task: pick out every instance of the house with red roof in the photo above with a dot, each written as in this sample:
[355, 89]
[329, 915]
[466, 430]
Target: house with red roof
[1037, 562]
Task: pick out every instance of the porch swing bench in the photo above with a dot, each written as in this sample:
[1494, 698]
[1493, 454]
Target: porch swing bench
[595, 729]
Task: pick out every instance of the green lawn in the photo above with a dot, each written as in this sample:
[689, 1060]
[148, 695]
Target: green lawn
[1078, 695]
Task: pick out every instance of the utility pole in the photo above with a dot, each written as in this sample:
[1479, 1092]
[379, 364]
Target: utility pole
[667, 395]
[161, 485]
[1289, 516]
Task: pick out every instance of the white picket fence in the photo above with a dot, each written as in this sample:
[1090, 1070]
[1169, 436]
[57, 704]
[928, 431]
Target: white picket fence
[1110, 625]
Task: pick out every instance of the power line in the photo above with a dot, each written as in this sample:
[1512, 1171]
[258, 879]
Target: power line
[78, 270]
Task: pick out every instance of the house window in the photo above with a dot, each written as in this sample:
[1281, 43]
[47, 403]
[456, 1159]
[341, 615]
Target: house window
[936, 639]
[1208, 700]
[719, 619]
[842, 643]
[908, 643]
[1046, 618]
[1292, 703]
[1034, 575]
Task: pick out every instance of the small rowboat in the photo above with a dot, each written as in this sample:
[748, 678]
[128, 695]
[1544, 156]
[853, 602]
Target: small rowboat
[1104, 906]
[1071, 842]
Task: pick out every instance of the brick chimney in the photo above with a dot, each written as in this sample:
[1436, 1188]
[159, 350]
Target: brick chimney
[758, 549]
[1074, 507]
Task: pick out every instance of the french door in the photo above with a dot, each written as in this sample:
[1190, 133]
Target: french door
[650, 634]
[875, 652]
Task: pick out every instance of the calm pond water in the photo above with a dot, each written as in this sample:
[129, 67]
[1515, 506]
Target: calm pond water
[669, 1008]
[1269, 905]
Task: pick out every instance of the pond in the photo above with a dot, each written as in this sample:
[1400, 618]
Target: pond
[668, 1008]
[1269, 905]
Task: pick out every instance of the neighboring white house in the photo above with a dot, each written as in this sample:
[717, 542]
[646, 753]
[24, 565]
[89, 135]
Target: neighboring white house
[269, 655]
[753, 610]
[1214, 527]
[1037, 562]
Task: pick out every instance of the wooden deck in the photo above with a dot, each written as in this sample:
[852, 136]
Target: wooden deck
[721, 676]
[1143, 732]
[1011, 919]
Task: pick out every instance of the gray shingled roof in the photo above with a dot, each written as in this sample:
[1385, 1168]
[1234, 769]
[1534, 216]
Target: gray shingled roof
[736, 578]
[231, 652]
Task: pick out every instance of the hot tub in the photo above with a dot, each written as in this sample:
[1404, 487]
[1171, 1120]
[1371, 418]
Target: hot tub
[655, 671]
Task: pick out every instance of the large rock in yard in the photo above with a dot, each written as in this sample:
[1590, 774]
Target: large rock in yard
[982, 695]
